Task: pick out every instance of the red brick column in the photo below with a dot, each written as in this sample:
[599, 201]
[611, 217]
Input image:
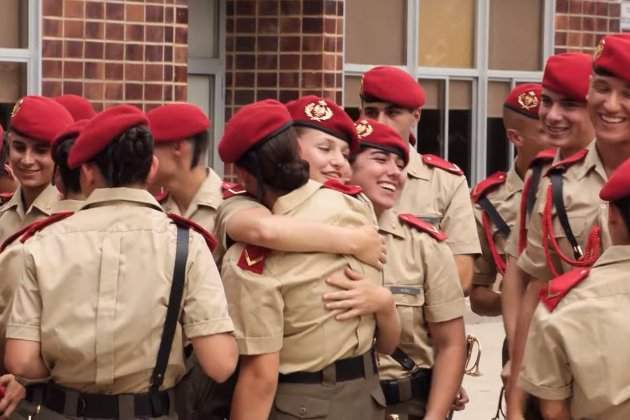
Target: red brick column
[115, 51]
[282, 50]
[581, 24]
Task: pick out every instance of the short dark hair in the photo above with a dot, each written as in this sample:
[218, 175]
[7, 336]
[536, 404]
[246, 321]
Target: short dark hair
[127, 160]
[623, 206]
[200, 143]
[600, 71]
[276, 164]
[69, 177]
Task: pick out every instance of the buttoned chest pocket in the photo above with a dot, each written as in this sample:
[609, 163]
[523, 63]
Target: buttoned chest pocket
[296, 406]
[580, 228]
[410, 305]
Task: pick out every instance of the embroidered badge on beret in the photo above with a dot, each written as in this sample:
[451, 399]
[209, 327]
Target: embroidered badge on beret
[364, 128]
[599, 50]
[528, 100]
[318, 111]
[16, 108]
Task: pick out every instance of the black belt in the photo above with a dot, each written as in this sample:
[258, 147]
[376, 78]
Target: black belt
[345, 370]
[415, 387]
[103, 405]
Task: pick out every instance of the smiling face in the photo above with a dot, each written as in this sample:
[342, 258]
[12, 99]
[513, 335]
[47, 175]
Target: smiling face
[30, 161]
[380, 175]
[609, 108]
[566, 121]
[326, 155]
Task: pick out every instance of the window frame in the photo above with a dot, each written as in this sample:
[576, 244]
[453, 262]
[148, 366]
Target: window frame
[480, 74]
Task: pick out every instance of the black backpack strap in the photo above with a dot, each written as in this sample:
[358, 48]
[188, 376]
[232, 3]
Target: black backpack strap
[494, 215]
[533, 188]
[172, 314]
[561, 211]
[403, 359]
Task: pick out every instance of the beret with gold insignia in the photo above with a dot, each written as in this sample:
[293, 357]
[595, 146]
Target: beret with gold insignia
[613, 56]
[568, 74]
[380, 136]
[525, 99]
[39, 118]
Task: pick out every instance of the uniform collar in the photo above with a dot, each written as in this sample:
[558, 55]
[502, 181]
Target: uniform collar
[592, 161]
[105, 196]
[513, 182]
[44, 202]
[390, 223]
[67, 205]
[614, 254]
[288, 202]
[208, 195]
[416, 168]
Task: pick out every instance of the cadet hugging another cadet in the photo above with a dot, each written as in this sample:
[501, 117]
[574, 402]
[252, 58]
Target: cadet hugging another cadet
[344, 254]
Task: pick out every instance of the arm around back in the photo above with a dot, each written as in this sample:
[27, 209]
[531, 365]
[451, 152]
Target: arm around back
[217, 355]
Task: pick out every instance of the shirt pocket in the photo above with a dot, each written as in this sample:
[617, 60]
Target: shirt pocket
[410, 305]
[293, 406]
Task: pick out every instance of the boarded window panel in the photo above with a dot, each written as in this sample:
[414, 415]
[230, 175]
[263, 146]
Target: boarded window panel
[12, 81]
[375, 31]
[203, 28]
[14, 24]
[516, 34]
[497, 146]
[446, 33]
[352, 87]
[430, 128]
[460, 124]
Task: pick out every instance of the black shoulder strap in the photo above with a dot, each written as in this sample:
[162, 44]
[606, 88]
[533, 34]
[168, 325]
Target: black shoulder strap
[172, 314]
[533, 188]
[494, 215]
[558, 202]
[403, 359]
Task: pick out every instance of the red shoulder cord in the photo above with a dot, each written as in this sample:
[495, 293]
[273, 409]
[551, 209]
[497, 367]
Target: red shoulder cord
[593, 243]
[499, 262]
[522, 223]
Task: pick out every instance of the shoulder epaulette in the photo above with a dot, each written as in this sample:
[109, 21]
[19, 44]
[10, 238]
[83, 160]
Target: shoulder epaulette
[41, 224]
[423, 226]
[161, 196]
[230, 189]
[557, 288]
[543, 157]
[5, 196]
[349, 189]
[253, 258]
[438, 162]
[187, 223]
[571, 160]
[485, 186]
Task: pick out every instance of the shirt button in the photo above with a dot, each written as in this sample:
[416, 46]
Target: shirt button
[302, 411]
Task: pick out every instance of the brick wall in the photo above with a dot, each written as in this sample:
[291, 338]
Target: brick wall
[282, 50]
[115, 51]
[581, 24]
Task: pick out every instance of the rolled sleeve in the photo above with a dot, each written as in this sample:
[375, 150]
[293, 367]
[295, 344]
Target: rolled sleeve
[444, 298]
[485, 272]
[256, 306]
[25, 317]
[459, 222]
[533, 261]
[205, 309]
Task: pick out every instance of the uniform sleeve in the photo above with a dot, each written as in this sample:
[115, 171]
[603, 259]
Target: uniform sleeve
[25, 317]
[533, 260]
[205, 309]
[444, 298]
[546, 372]
[485, 271]
[256, 306]
[226, 210]
[459, 222]
[511, 245]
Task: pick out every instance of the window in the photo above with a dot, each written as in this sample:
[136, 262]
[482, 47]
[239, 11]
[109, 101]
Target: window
[467, 54]
[206, 67]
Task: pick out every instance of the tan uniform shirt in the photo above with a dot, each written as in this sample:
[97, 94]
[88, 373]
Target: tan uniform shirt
[506, 199]
[90, 281]
[12, 269]
[580, 350]
[582, 182]
[203, 207]
[441, 198]
[14, 217]
[227, 209]
[281, 310]
[421, 274]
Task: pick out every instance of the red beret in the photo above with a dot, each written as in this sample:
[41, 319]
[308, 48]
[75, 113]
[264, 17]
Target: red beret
[525, 99]
[78, 106]
[39, 118]
[325, 115]
[177, 121]
[73, 130]
[613, 56]
[381, 136]
[568, 74]
[618, 185]
[393, 85]
[101, 130]
[252, 125]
